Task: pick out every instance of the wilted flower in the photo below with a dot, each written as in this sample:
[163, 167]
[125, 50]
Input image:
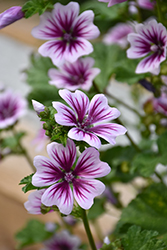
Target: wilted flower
[62, 240]
[12, 107]
[10, 16]
[86, 118]
[57, 173]
[67, 31]
[72, 76]
[33, 205]
[118, 35]
[112, 2]
[149, 40]
[146, 4]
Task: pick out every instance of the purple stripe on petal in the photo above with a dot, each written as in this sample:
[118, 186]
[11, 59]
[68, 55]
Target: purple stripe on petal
[65, 115]
[86, 190]
[100, 111]
[63, 156]
[78, 101]
[80, 135]
[109, 131]
[90, 166]
[47, 172]
[60, 195]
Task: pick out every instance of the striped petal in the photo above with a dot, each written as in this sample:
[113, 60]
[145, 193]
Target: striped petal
[63, 156]
[60, 195]
[90, 166]
[85, 190]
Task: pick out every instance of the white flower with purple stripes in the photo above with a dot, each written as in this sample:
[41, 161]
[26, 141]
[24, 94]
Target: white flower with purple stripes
[87, 118]
[12, 107]
[72, 76]
[33, 205]
[150, 40]
[112, 2]
[67, 31]
[58, 173]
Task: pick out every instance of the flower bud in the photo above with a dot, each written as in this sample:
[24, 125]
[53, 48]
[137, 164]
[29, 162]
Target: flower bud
[10, 15]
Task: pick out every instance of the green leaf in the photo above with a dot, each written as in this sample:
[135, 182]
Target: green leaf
[97, 209]
[148, 210]
[12, 142]
[36, 6]
[37, 73]
[105, 58]
[162, 143]
[119, 159]
[44, 94]
[33, 232]
[135, 239]
[28, 181]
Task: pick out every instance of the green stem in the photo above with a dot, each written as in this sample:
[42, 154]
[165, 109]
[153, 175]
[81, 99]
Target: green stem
[24, 152]
[122, 103]
[159, 176]
[129, 138]
[159, 13]
[87, 229]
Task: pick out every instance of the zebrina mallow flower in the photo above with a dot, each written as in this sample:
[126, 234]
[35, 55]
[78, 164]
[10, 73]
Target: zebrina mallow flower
[72, 76]
[149, 40]
[87, 118]
[12, 107]
[118, 35]
[146, 4]
[33, 205]
[10, 16]
[58, 173]
[67, 31]
[62, 240]
[112, 2]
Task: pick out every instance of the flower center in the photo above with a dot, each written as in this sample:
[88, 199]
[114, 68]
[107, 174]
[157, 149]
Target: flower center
[6, 113]
[157, 48]
[67, 37]
[69, 177]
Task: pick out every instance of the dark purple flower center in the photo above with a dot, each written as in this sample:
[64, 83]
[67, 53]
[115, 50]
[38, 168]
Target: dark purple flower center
[157, 48]
[67, 37]
[69, 177]
[7, 112]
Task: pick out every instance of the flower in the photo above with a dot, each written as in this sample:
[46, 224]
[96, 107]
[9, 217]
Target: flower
[74, 75]
[40, 139]
[151, 41]
[112, 2]
[38, 107]
[84, 116]
[146, 4]
[118, 35]
[67, 31]
[58, 174]
[62, 240]
[12, 107]
[10, 15]
[33, 205]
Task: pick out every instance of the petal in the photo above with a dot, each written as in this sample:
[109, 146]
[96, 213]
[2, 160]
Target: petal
[47, 172]
[80, 135]
[33, 205]
[90, 166]
[63, 156]
[109, 131]
[86, 190]
[60, 195]
[151, 63]
[48, 28]
[65, 115]
[84, 26]
[99, 110]
[77, 47]
[78, 101]
[139, 46]
[55, 50]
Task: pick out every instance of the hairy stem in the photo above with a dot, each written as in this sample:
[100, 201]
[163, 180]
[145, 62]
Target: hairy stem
[87, 229]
